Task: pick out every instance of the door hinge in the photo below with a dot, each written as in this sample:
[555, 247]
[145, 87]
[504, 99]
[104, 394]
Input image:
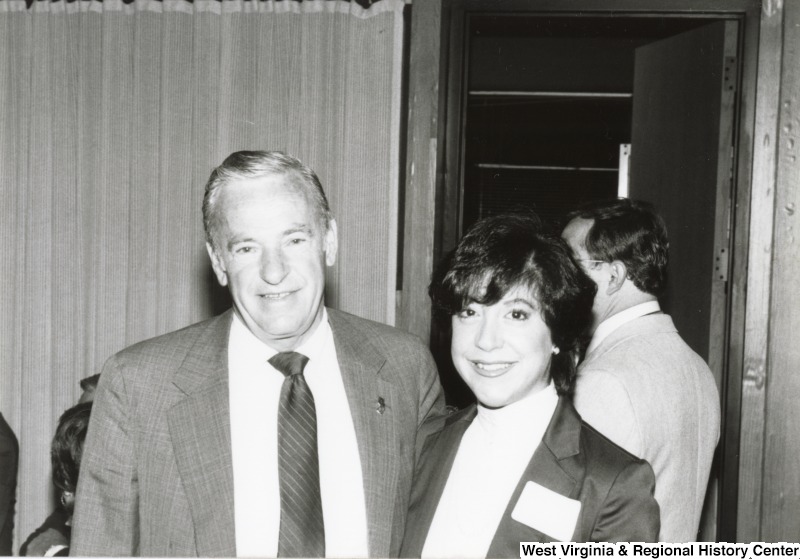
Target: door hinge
[721, 265]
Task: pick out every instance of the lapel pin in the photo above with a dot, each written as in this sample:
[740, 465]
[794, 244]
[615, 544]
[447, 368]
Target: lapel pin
[381, 406]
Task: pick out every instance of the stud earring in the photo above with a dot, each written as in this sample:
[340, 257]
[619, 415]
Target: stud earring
[67, 498]
[556, 350]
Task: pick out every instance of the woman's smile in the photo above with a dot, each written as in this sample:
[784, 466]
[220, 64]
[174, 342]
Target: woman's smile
[492, 369]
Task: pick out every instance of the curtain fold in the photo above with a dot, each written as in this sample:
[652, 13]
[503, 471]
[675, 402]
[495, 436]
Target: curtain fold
[112, 116]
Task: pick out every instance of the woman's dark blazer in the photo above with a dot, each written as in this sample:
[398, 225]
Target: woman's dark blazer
[615, 488]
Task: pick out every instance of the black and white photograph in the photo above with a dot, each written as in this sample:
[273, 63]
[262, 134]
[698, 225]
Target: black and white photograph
[399, 278]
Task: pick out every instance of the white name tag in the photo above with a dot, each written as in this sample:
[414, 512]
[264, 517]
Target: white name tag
[547, 511]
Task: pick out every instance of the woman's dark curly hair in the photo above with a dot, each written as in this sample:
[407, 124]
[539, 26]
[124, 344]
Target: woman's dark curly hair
[503, 252]
[67, 447]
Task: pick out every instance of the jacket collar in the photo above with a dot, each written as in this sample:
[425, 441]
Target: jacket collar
[206, 469]
[206, 362]
[557, 463]
[643, 325]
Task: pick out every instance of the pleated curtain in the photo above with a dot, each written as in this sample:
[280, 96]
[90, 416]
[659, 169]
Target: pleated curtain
[112, 116]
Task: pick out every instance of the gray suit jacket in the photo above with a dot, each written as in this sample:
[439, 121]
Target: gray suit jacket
[156, 476]
[647, 391]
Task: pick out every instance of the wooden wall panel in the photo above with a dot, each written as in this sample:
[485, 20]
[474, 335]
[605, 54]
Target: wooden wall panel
[781, 474]
[740, 231]
[414, 313]
[759, 274]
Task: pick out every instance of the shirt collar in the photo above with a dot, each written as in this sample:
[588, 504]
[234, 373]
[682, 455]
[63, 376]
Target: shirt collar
[518, 418]
[623, 317]
[250, 347]
[315, 344]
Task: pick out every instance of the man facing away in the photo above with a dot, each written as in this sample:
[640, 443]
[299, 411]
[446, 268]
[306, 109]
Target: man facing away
[279, 428]
[640, 384]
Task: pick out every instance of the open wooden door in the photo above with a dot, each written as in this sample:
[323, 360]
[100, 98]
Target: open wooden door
[681, 161]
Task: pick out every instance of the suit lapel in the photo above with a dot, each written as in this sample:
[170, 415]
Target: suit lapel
[360, 365]
[563, 439]
[199, 427]
[436, 460]
[557, 465]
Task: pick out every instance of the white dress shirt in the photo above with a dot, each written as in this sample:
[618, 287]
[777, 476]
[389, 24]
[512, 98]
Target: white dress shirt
[493, 454]
[255, 388]
[613, 322]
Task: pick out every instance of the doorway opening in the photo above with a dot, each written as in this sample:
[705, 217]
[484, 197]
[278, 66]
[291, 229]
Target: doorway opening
[548, 110]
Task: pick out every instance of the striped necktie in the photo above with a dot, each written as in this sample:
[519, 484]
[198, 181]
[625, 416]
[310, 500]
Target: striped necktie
[302, 532]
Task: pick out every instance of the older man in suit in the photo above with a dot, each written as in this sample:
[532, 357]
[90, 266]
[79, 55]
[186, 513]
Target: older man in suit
[640, 384]
[279, 428]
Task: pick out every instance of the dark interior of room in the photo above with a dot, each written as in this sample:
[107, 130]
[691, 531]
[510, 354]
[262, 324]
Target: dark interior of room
[548, 106]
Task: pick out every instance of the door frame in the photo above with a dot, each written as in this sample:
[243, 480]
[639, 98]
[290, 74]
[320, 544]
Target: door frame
[434, 171]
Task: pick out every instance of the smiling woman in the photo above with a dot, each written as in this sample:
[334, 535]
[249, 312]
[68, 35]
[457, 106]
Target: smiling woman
[520, 465]
[507, 263]
[503, 350]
